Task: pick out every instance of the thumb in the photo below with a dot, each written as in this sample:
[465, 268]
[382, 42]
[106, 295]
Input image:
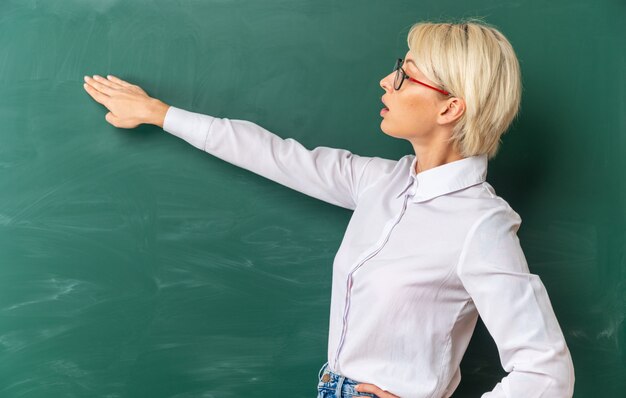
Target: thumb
[111, 118]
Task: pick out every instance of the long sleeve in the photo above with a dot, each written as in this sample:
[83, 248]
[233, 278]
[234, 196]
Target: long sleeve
[329, 174]
[515, 308]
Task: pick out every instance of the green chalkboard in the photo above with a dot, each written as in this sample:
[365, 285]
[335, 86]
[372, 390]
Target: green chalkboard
[134, 265]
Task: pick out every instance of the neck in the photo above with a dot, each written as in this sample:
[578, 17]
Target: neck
[428, 159]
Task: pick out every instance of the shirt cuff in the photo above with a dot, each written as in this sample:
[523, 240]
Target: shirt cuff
[190, 126]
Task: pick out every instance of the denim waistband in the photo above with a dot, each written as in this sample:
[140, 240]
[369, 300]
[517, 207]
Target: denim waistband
[341, 385]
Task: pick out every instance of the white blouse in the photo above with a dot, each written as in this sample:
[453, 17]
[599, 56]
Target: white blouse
[423, 255]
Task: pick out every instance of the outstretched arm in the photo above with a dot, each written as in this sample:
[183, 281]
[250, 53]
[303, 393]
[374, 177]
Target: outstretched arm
[329, 174]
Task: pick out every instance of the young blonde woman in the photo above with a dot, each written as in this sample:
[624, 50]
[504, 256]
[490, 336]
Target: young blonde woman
[430, 246]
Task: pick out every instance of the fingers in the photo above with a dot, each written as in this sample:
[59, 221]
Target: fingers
[95, 94]
[106, 82]
[374, 389]
[118, 81]
[108, 90]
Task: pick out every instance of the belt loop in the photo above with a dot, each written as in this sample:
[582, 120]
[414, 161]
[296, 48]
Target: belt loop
[339, 386]
[319, 374]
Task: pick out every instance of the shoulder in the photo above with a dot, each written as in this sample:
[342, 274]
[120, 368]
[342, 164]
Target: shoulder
[491, 245]
[494, 227]
[381, 169]
[388, 166]
[493, 208]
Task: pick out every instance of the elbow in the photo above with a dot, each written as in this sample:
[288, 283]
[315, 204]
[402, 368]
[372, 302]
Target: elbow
[567, 376]
[562, 377]
[551, 376]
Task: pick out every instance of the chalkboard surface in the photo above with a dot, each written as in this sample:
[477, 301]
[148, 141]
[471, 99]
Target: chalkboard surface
[134, 265]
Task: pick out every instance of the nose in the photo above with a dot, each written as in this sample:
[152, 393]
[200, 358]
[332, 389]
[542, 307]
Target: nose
[385, 83]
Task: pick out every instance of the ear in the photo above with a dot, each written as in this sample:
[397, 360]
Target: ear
[451, 111]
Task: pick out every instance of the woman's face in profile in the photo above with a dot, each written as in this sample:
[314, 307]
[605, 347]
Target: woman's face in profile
[414, 108]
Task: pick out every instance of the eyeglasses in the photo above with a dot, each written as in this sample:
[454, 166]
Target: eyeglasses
[401, 76]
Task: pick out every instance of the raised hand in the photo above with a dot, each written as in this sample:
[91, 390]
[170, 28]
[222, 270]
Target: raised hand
[129, 104]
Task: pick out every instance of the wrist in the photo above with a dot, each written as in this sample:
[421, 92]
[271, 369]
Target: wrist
[158, 110]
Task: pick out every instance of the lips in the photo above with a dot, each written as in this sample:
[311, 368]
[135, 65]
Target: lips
[383, 101]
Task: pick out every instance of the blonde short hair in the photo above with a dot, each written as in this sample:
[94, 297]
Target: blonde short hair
[473, 61]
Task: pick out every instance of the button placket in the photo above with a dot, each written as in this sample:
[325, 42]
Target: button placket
[349, 281]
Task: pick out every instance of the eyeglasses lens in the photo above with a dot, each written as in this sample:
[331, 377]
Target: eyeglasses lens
[397, 82]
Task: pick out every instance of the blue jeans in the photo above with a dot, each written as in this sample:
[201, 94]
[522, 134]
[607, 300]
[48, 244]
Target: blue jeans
[333, 385]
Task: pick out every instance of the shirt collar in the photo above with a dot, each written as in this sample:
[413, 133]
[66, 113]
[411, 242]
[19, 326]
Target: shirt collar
[444, 179]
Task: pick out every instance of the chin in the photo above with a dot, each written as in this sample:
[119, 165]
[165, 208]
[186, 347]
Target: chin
[390, 132]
